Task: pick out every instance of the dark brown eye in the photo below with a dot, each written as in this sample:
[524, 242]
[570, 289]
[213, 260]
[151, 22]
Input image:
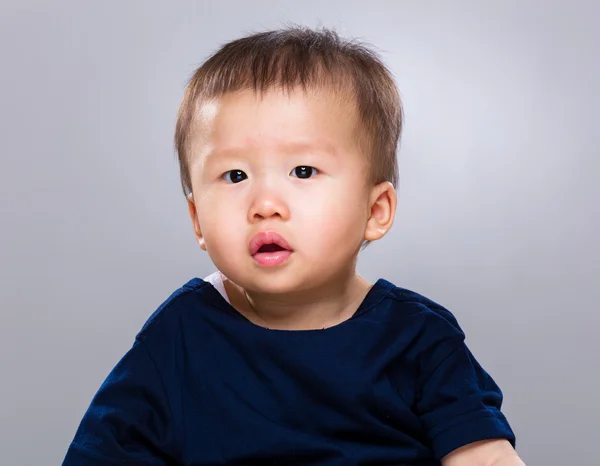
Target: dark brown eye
[304, 172]
[234, 176]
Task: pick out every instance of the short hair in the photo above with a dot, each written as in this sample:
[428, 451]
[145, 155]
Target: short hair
[301, 57]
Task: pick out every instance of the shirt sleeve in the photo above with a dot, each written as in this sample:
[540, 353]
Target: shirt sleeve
[457, 400]
[129, 420]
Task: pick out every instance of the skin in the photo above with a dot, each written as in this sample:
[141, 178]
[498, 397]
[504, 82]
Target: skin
[324, 217]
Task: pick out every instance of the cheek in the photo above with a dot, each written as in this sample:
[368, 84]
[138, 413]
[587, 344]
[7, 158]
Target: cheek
[332, 221]
[223, 238]
[221, 222]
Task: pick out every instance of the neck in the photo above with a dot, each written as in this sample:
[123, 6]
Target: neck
[320, 307]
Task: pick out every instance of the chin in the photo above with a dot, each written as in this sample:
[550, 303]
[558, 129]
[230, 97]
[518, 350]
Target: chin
[273, 281]
[272, 284]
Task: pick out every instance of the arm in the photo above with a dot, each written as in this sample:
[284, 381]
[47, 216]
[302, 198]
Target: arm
[497, 452]
[456, 400]
[129, 420]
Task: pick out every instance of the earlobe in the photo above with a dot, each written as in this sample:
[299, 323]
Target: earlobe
[382, 211]
[194, 217]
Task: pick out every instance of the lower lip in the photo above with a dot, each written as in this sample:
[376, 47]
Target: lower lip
[271, 259]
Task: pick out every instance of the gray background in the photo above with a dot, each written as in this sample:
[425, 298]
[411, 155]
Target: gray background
[498, 216]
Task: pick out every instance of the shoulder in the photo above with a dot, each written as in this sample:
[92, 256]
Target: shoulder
[167, 317]
[409, 308]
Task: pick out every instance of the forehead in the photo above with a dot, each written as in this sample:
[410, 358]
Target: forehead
[277, 119]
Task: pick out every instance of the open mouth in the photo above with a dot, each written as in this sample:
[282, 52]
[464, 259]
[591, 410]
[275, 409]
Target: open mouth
[268, 242]
[270, 248]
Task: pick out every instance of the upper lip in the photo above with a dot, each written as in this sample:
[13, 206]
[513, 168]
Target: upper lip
[267, 237]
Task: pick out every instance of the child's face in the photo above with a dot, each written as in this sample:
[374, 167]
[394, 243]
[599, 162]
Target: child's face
[246, 154]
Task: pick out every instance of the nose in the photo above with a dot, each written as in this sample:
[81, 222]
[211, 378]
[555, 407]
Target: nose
[268, 203]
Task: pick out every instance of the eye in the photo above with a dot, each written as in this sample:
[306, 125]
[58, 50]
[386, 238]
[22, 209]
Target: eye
[304, 172]
[234, 176]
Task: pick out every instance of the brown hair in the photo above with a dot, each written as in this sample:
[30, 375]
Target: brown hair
[298, 56]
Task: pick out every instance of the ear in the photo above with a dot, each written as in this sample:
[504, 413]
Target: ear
[195, 223]
[382, 209]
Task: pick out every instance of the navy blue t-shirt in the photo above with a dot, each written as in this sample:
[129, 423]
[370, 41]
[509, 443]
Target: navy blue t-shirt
[202, 385]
